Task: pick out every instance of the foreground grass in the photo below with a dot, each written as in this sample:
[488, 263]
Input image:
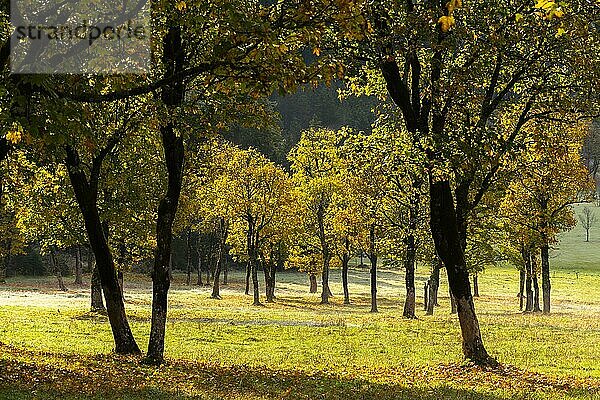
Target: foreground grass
[297, 348]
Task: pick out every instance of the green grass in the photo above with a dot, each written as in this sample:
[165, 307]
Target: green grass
[51, 347]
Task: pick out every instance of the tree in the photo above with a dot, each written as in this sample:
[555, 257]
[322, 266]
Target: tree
[465, 87]
[551, 176]
[587, 219]
[317, 175]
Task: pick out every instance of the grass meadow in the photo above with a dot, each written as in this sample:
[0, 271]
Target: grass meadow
[52, 347]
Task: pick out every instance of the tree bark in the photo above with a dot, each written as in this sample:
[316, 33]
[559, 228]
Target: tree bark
[248, 271]
[325, 292]
[453, 307]
[434, 284]
[475, 285]
[57, 272]
[313, 283]
[449, 248]
[409, 277]
[78, 266]
[521, 287]
[199, 252]
[97, 304]
[545, 278]
[86, 194]
[373, 259]
[171, 96]
[220, 253]
[536, 292]
[425, 296]
[345, 262]
[120, 278]
[188, 257]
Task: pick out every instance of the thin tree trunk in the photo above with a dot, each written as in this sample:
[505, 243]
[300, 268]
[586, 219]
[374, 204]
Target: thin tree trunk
[96, 292]
[373, 259]
[56, 270]
[199, 280]
[188, 257]
[248, 272]
[220, 255]
[409, 277]
[86, 194]
[78, 266]
[345, 261]
[521, 287]
[545, 278]
[313, 283]
[444, 230]
[475, 285]
[434, 284]
[225, 270]
[425, 296]
[120, 278]
[536, 293]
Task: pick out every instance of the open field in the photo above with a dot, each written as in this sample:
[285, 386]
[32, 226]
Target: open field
[297, 348]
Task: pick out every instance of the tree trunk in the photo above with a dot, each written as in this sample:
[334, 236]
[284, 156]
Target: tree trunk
[434, 284]
[373, 259]
[255, 289]
[545, 278]
[78, 266]
[188, 257]
[453, 309]
[120, 279]
[313, 283]
[521, 287]
[86, 194]
[172, 96]
[345, 261]
[475, 285]
[425, 296]
[90, 260]
[57, 272]
[448, 246]
[199, 280]
[271, 293]
[96, 292]
[248, 271]
[409, 277]
[225, 270]
[536, 293]
[220, 255]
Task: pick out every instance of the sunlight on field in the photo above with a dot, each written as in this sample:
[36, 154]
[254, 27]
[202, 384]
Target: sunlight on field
[297, 334]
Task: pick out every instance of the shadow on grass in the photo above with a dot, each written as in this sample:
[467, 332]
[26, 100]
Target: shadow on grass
[51, 376]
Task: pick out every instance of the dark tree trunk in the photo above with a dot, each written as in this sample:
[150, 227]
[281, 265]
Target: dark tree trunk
[269, 271]
[475, 285]
[57, 272]
[325, 292]
[90, 260]
[96, 292]
[453, 307]
[220, 255]
[449, 248]
[120, 279]
[172, 96]
[271, 293]
[255, 288]
[409, 277]
[313, 283]
[526, 255]
[78, 266]
[545, 278]
[248, 272]
[345, 262]
[188, 257]
[536, 293]
[86, 194]
[521, 287]
[434, 284]
[425, 296]
[199, 252]
[225, 270]
[373, 259]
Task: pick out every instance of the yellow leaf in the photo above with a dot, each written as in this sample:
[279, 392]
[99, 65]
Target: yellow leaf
[446, 23]
[180, 5]
[519, 17]
[317, 51]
